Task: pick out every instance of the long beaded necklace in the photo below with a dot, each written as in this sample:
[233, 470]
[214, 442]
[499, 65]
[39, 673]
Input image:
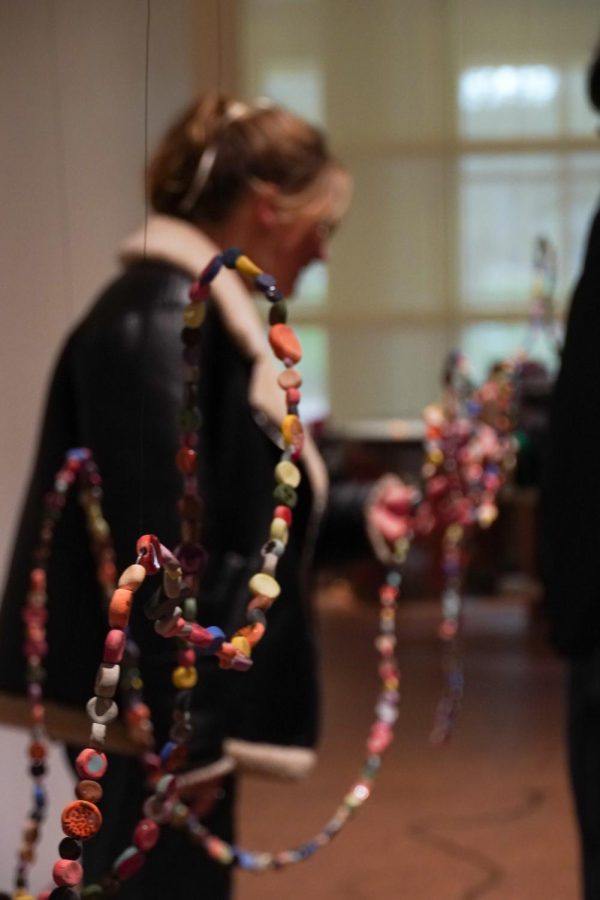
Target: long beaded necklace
[81, 818]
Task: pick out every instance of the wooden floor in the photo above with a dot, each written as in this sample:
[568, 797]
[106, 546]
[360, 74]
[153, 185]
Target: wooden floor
[486, 816]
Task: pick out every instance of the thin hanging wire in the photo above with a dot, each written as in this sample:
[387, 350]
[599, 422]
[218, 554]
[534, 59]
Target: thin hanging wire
[142, 444]
[61, 170]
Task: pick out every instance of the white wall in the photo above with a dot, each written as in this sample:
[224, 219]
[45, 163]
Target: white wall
[71, 150]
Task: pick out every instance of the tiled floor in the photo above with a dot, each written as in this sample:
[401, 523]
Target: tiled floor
[486, 816]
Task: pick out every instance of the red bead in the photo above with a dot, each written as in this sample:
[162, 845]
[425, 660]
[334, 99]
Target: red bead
[67, 872]
[186, 658]
[146, 834]
[129, 863]
[283, 512]
[292, 397]
[187, 460]
[91, 763]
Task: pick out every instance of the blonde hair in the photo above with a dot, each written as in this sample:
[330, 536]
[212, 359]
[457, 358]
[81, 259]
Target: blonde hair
[220, 148]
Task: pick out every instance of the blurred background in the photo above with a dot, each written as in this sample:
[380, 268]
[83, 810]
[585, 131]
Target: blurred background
[465, 125]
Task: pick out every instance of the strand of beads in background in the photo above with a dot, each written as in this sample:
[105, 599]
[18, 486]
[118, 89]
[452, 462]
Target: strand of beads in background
[79, 467]
[470, 450]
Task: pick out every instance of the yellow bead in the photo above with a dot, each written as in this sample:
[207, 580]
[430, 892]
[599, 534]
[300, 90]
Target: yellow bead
[435, 456]
[184, 677]
[247, 267]
[279, 530]
[291, 429]
[287, 473]
[264, 584]
[241, 644]
[193, 315]
[455, 533]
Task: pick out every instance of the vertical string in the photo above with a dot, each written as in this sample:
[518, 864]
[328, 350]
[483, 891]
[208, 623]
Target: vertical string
[219, 43]
[146, 213]
[61, 169]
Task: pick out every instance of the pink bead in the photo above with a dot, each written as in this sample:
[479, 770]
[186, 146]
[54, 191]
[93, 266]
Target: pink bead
[146, 834]
[114, 646]
[186, 658]
[67, 872]
[199, 636]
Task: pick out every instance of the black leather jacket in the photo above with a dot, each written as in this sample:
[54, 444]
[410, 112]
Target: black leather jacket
[117, 390]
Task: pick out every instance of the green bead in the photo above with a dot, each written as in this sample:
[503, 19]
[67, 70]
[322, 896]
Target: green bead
[285, 494]
[278, 313]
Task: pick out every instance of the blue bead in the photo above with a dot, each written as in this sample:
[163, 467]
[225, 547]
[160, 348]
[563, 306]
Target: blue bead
[212, 270]
[273, 294]
[245, 860]
[167, 750]
[230, 257]
[264, 281]
[80, 454]
[39, 796]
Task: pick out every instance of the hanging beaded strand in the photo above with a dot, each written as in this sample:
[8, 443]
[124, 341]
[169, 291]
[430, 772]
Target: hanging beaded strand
[80, 467]
[470, 450]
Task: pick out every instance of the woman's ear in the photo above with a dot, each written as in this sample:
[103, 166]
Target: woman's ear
[267, 208]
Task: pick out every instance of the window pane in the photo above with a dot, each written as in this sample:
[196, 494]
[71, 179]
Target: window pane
[489, 342]
[315, 371]
[505, 203]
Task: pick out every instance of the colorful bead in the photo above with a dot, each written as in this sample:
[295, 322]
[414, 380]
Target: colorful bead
[284, 342]
[264, 585]
[287, 473]
[67, 872]
[91, 764]
[81, 819]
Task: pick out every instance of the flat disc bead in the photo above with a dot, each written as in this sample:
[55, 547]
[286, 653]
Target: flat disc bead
[284, 342]
[69, 848]
[91, 763]
[88, 790]
[146, 834]
[264, 584]
[289, 379]
[193, 315]
[67, 872]
[287, 473]
[81, 819]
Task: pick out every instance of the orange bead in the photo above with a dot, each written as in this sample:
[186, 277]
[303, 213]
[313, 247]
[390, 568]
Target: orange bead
[38, 579]
[81, 819]
[120, 608]
[284, 342]
[37, 750]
